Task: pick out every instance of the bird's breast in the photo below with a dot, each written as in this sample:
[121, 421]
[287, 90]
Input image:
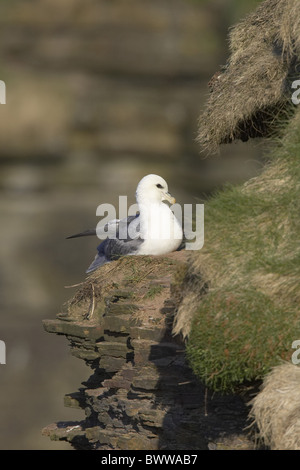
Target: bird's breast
[161, 231]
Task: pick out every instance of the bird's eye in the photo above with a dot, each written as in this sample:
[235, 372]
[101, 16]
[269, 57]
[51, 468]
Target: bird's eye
[159, 186]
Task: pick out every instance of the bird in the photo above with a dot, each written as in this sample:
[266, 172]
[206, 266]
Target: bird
[154, 230]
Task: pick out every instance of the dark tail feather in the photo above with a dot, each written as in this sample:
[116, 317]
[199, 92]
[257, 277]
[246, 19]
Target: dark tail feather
[98, 261]
[83, 234]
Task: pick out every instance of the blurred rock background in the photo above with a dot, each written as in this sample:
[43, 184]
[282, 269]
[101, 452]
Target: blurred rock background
[98, 94]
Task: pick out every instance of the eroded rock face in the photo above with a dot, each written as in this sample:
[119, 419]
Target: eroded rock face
[142, 394]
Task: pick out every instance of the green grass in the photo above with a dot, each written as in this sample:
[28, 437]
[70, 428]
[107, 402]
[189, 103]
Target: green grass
[247, 321]
[153, 292]
[238, 337]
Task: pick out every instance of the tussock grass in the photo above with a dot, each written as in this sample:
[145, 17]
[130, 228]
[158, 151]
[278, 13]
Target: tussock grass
[246, 319]
[276, 411]
[249, 317]
[251, 95]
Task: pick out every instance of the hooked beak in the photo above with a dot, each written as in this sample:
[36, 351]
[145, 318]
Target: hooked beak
[168, 197]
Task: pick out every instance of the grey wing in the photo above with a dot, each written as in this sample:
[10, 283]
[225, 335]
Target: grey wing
[122, 244]
[100, 257]
[117, 228]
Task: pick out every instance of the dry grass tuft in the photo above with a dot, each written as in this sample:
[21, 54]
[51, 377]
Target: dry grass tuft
[251, 95]
[144, 281]
[276, 409]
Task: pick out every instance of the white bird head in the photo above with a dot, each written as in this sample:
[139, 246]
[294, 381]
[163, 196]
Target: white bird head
[153, 189]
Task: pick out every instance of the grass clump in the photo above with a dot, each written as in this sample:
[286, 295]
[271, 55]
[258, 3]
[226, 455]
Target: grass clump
[249, 317]
[153, 291]
[238, 336]
[251, 95]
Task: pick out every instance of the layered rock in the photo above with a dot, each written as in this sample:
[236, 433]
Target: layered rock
[142, 394]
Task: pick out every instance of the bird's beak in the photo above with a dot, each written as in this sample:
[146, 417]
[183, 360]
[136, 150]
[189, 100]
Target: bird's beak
[168, 197]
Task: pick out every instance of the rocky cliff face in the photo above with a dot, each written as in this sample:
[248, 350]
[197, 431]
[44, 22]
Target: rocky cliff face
[142, 393]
